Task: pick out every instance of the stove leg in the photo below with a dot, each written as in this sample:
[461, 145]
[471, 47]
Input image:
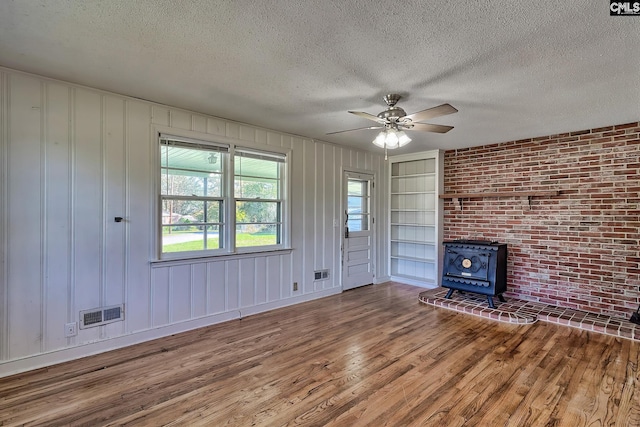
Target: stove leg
[448, 295]
[501, 298]
[490, 299]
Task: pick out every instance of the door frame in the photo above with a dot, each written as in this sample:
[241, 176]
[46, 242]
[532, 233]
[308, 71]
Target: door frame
[374, 214]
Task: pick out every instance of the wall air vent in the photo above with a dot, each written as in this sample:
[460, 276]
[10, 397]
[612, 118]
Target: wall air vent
[321, 275]
[101, 316]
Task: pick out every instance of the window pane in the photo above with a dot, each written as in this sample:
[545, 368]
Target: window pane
[180, 238]
[214, 211]
[358, 222]
[256, 188]
[182, 183]
[257, 235]
[357, 205]
[356, 188]
[190, 211]
[194, 159]
[261, 168]
[190, 171]
[257, 212]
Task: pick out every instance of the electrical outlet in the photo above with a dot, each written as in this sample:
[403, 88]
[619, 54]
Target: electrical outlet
[295, 286]
[70, 329]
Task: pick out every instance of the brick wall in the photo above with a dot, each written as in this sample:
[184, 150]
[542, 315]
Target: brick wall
[578, 249]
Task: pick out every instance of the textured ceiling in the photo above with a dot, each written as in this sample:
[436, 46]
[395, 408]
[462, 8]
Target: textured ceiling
[513, 69]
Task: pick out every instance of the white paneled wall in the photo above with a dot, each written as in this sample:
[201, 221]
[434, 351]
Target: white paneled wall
[73, 158]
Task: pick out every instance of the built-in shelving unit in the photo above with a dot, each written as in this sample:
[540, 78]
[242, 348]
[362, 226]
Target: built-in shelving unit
[415, 218]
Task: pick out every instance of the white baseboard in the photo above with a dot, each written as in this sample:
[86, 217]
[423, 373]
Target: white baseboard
[28, 363]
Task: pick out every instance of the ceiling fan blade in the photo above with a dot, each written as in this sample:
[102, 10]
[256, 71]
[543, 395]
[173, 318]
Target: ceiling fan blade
[369, 116]
[429, 113]
[351, 130]
[427, 127]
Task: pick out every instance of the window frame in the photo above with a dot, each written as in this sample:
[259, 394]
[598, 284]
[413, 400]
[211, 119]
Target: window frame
[228, 199]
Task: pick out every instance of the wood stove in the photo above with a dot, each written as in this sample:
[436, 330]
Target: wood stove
[478, 266]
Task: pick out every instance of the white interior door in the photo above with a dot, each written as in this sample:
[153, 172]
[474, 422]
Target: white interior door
[358, 234]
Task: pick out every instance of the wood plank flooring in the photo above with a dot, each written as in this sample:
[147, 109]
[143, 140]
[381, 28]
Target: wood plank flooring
[372, 356]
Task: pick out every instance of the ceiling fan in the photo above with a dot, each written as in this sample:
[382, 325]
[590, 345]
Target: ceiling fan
[394, 121]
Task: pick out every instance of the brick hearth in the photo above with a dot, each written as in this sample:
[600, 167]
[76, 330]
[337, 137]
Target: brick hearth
[524, 312]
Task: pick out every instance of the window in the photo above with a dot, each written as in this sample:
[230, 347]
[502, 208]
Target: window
[258, 198]
[211, 205]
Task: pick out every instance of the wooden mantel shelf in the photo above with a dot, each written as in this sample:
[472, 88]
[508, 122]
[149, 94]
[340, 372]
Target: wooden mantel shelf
[524, 195]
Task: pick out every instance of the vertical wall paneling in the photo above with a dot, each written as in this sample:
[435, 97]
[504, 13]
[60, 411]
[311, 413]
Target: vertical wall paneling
[261, 136]
[180, 119]
[247, 133]
[216, 126]
[160, 115]
[297, 216]
[180, 286]
[260, 279]
[44, 260]
[309, 215]
[24, 256]
[4, 137]
[232, 130]
[139, 221]
[274, 278]
[382, 219]
[57, 215]
[232, 288]
[114, 190]
[160, 305]
[88, 204]
[199, 123]
[217, 302]
[318, 212]
[286, 273]
[330, 198]
[72, 159]
[246, 275]
[199, 296]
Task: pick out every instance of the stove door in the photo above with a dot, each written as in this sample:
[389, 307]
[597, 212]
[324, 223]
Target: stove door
[470, 263]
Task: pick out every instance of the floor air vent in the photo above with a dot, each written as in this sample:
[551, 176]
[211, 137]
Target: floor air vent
[101, 316]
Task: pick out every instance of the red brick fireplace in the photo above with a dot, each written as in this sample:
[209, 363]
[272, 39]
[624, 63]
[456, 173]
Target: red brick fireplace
[577, 249]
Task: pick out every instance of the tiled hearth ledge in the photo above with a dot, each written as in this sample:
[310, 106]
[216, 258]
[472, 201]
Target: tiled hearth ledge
[523, 312]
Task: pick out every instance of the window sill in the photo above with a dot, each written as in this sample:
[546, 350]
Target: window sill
[209, 258]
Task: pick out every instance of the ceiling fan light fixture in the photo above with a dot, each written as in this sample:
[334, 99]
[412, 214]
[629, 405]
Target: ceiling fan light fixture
[391, 138]
[380, 139]
[403, 139]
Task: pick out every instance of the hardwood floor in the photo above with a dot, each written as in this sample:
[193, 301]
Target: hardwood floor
[371, 356]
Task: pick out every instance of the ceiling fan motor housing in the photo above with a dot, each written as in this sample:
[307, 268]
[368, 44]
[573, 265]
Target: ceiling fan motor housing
[392, 114]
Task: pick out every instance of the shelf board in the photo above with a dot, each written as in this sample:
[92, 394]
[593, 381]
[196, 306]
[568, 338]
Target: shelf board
[416, 278]
[524, 195]
[414, 175]
[413, 225]
[404, 193]
[413, 210]
[420, 242]
[494, 194]
[410, 258]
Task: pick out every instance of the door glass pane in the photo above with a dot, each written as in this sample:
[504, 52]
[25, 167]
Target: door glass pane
[358, 205]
